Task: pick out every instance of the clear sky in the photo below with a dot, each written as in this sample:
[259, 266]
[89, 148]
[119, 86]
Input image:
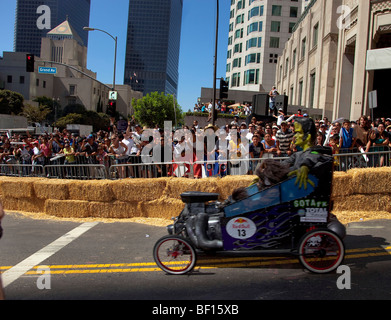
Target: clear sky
[197, 42]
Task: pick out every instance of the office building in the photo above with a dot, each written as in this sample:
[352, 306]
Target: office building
[306, 67]
[338, 54]
[35, 18]
[153, 43]
[258, 30]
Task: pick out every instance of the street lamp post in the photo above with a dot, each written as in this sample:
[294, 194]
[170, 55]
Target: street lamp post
[115, 54]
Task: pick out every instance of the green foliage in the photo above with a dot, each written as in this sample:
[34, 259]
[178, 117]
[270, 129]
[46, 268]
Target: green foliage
[11, 102]
[35, 114]
[53, 105]
[74, 108]
[99, 121]
[155, 108]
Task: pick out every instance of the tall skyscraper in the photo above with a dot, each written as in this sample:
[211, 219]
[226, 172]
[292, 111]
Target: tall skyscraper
[152, 49]
[258, 31]
[35, 18]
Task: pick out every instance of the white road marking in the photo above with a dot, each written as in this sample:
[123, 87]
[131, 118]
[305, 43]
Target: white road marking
[21, 268]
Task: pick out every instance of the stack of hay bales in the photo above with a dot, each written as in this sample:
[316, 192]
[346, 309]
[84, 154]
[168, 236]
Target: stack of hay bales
[359, 193]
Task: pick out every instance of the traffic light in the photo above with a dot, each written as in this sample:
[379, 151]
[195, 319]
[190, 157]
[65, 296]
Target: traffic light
[223, 89]
[111, 108]
[29, 62]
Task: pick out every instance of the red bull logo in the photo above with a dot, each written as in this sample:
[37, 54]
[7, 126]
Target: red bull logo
[241, 228]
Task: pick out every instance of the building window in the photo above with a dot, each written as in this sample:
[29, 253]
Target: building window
[300, 92]
[291, 26]
[276, 11]
[293, 12]
[294, 58]
[286, 65]
[237, 63]
[21, 79]
[239, 33]
[253, 58]
[252, 27]
[312, 89]
[238, 48]
[315, 35]
[251, 76]
[9, 79]
[303, 47]
[274, 42]
[291, 94]
[251, 43]
[72, 90]
[275, 26]
[235, 80]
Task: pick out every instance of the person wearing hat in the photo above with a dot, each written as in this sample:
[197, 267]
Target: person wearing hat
[280, 117]
[91, 149]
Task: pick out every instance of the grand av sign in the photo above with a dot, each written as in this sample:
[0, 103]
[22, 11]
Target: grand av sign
[47, 70]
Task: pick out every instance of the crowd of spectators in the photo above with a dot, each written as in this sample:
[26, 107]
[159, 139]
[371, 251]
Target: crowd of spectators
[252, 142]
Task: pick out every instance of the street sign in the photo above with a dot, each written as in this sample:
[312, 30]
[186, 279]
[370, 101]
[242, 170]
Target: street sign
[47, 70]
[113, 95]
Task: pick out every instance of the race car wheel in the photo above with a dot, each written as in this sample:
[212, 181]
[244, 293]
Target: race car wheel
[321, 251]
[174, 255]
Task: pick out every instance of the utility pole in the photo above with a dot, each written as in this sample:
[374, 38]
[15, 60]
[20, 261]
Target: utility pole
[215, 64]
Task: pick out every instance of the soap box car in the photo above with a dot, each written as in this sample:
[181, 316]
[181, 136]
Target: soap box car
[281, 219]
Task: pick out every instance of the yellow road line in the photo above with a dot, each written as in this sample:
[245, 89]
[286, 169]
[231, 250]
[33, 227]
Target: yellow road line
[203, 263]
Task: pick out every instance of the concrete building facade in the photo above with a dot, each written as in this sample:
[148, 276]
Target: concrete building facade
[306, 69]
[324, 67]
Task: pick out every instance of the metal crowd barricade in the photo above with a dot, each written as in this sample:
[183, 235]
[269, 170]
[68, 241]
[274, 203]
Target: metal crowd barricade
[21, 170]
[76, 171]
[150, 170]
[351, 159]
[135, 168]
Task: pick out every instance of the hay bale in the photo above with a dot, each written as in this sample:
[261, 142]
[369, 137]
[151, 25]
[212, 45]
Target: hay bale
[23, 204]
[360, 202]
[55, 189]
[229, 183]
[176, 186]
[164, 208]
[67, 208]
[131, 190]
[371, 180]
[18, 187]
[342, 184]
[356, 216]
[114, 210]
[92, 190]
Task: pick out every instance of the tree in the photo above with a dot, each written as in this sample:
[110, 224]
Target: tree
[35, 114]
[11, 102]
[52, 104]
[153, 109]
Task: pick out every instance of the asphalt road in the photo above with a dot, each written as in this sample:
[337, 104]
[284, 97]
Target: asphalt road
[113, 261]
